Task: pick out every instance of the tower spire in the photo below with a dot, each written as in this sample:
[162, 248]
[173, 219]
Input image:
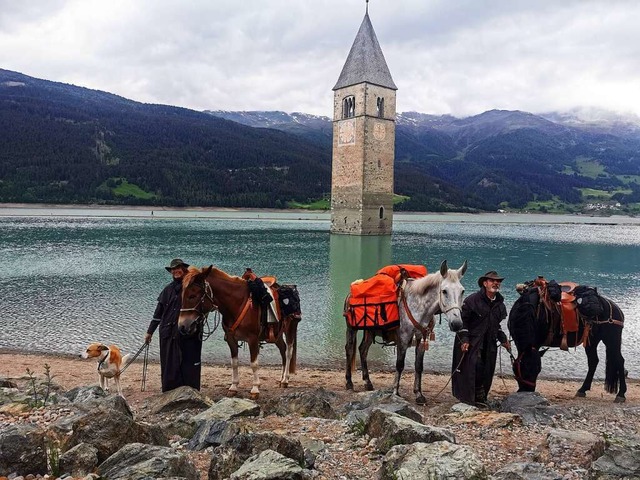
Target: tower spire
[367, 11]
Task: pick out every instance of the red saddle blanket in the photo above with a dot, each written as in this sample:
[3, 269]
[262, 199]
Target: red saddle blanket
[373, 303]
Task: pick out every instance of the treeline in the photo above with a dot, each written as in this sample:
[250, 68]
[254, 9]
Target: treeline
[67, 144]
[65, 148]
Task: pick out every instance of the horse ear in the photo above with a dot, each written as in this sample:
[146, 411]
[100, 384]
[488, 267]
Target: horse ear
[208, 271]
[463, 269]
[443, 268]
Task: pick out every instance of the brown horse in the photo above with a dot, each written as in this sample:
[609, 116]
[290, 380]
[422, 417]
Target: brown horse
[207, 289]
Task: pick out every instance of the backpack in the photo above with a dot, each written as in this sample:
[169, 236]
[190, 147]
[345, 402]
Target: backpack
[289, 300]
[588, 301]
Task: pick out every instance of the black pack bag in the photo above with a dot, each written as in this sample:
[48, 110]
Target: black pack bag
[588, 301]
[259, 293]
[554, 290]
[289, 300]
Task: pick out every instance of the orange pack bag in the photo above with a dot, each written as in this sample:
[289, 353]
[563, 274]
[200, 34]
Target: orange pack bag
[414, 271]
[373, 303]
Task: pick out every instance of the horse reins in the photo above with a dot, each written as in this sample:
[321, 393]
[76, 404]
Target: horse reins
[207, 294]
[426, 332]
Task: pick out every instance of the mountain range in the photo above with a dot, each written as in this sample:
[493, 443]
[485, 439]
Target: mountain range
[61, 143]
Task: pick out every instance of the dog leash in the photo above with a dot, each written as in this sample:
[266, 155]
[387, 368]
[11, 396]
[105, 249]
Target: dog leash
[145, 363]
[131, 360]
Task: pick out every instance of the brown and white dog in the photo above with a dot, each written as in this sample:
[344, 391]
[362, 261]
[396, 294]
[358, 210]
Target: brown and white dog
[110, 363]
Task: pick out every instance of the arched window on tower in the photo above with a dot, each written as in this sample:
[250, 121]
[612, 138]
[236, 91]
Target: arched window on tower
[380, 107]
[349, 107]
[381, 213]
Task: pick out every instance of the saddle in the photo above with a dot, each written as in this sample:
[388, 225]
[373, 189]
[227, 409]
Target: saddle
[559, 298]
[278, 302]
[372, 304]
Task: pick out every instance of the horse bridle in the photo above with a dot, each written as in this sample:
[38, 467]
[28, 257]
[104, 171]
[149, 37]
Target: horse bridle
[446, 310]
[207, 294]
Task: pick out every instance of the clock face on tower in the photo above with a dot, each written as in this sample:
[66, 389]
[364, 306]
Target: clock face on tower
[379, 131]
[347, 132]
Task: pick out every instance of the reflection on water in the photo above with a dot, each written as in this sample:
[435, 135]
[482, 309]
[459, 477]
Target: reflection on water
[69, 281]
[352, 258]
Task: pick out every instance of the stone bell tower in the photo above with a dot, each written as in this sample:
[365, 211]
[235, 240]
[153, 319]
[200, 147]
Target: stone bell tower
[364, 130]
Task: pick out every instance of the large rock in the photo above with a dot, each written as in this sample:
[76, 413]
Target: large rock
[621, 459]
[316, 403]
[572, 446]
[91, 398]
[177, 399]
[229, 408]
[229, 457]
[136, 461]
[80, 460]
[212, 433]
[532, 407]
[110, 430]
[22, 450]
[433, 461]
[85, 394]
[359, 410]
[526, 471]
[269, 465]
[183, 425]
[392, 429]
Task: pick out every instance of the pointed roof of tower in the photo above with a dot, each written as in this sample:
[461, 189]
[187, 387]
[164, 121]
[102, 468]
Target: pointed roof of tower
[365, 62]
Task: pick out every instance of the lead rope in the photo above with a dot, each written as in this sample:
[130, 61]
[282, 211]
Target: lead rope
[145, 364]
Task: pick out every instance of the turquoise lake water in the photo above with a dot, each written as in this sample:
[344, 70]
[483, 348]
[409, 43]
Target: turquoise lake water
[74, 276]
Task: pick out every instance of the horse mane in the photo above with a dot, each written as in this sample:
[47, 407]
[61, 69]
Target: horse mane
[190, 276]
[193, 272]
[421, 285]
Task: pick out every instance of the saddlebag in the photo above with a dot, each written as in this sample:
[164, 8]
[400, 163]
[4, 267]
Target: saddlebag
[373, 303]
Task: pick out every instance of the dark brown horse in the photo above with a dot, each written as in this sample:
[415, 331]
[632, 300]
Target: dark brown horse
[208, 289]
[533, 323]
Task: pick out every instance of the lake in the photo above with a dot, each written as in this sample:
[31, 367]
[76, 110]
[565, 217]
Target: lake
[72, 276]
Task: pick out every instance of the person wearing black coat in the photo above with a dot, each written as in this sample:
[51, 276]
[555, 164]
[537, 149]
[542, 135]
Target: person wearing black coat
[180, 360]
[475, 347]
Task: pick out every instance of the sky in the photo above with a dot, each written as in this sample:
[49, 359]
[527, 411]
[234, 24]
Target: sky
[458, 57]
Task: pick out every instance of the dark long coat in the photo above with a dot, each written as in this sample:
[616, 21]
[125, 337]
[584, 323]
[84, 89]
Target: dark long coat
[180, 355]
[473, 374]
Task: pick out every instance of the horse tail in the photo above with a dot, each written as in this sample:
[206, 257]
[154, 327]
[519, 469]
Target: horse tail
[611, 377]
[614, 368]
[612, 337]
[293, 328]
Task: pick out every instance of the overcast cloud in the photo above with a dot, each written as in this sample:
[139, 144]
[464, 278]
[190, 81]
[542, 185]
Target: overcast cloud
[460, 57]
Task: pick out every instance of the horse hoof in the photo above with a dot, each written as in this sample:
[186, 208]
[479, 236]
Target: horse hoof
[284, 385]
[232, 393]
[349, 386]
[421, 400]
[620, 399]
[369, 387]
[254, 396]
[580, 394]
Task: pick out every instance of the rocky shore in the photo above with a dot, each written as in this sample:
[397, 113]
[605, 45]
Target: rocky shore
[56, 423]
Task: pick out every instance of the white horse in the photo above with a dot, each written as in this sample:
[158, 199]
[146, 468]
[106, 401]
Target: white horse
[420, 300]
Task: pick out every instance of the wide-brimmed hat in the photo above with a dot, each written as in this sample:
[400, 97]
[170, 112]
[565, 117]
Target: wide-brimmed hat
[175, 263]
[492, 274]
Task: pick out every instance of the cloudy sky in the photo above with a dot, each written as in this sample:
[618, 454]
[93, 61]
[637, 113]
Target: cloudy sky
[460, 57]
